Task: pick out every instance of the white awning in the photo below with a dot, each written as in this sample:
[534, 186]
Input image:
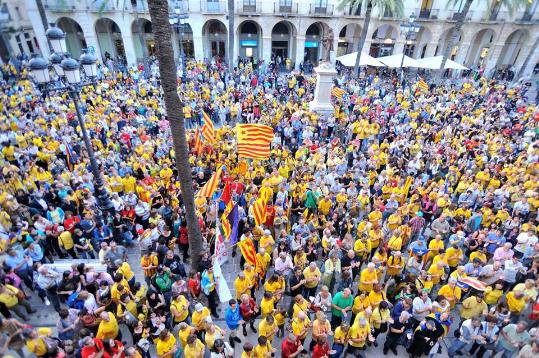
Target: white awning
[394, 61]
[435, 62]
[365, 60]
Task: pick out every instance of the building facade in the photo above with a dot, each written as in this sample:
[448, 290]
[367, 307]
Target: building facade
[16, 31]
[490, 38]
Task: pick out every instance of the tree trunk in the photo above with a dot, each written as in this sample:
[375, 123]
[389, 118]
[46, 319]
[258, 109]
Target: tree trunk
[174, 110]
[527, 60]
[231, 13]
[362, 38]
[453, 38]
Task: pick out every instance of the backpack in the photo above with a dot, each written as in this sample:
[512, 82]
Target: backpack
[74, 302]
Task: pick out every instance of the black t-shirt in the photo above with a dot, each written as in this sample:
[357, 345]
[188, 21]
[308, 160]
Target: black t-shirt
[176, 266]
[395, 325]
[294, 280]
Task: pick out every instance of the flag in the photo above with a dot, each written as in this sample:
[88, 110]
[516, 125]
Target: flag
[422, 84]
[337, 92]
[259, 211]
[225, 223]
[226, 196]
[472, 282]
[253, 140]
[198, 142]
[209, 188]
[407, 185]
[69, 157]
[221, 254]
[234, 220]
[222, 287]
[248, 251]
[207, 128]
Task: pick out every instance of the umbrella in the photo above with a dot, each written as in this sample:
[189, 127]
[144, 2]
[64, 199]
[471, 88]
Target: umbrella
[435, 62]
[365, 60]
[394, 61]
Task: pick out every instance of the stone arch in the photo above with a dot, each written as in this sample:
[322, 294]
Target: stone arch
[348, 39]
[383, 40]
[75, 40]
[480, 47]
[444, 41]
[109, 38]
[249, 34]
[215, 35]
[283, 40]
[512, 48]
[141, 29]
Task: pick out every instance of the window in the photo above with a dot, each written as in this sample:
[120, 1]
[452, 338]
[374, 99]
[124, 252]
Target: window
[30, 46]
[26, 35]
[17, 38]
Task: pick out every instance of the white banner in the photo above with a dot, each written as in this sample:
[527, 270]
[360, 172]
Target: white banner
[221, 254]
[222, 287]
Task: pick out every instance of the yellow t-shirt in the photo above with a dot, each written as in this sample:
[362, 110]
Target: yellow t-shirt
[108, 330]
[197, 318]
[183, 334]
[298, 326]
[181, 305]
[163, 347]
[367, 276]
[65, 240]
[267, 306]
[267, 330]
[197, 351]
[311, 275]
[358, 332]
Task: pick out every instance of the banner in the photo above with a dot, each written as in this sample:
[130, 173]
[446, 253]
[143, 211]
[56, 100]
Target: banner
[221, 254]
[222, 287]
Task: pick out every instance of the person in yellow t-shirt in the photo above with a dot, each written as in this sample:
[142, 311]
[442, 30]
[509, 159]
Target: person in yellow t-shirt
[263, 349]
[301, 325]
[184, 332]
[451, 292]
[194, 348]
[516, 301]
[35, 342]
[179, 308]
[367, 278]
[268, 327]
[358, 335]
[199, 315]
[166, 345]
[242, 285]
[108, 327]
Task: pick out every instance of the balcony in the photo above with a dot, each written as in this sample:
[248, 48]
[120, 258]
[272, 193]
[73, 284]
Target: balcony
[454, 15]
[62, 6]
[213, 7]
[321, 10]
[248, 7]
[285, 8]
[101, 6]
[428, 14]
[349, 11]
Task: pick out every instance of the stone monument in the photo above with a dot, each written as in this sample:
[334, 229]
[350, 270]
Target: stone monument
[325, 73]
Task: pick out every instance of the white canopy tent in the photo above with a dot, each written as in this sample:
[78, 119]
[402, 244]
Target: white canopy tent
[435, 62]
[365, 60]
[394, 61]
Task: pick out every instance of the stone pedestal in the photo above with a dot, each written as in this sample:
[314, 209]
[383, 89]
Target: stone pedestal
[325, 73]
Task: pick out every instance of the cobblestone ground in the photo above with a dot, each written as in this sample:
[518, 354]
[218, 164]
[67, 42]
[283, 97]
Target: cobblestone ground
[47, 317]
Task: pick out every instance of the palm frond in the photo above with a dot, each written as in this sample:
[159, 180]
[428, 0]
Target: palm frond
[354, 4]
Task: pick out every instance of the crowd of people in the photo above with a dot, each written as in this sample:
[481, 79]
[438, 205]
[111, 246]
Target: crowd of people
[405, 218]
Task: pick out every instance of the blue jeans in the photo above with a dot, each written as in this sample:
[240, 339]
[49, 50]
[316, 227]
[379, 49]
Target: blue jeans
[456, 346]
[338, 348]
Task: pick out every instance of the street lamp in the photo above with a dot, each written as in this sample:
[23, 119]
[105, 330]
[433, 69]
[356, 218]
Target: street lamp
[68, 71]
[176, 22]
[409, 30]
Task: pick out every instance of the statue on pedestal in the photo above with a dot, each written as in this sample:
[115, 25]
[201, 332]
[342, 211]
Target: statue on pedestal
[328, 46]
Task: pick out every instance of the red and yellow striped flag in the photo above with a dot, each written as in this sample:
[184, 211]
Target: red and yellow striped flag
[424, 86]
[209, 188]
[259, 211]
[337, 92]
[208, 131]
[248, 251]
[198, 142]
[254, 140]
[225, 223]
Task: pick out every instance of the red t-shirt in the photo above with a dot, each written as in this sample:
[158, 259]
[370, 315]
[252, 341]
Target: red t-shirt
[69, 224]
[194, 285]
[288, 348]
[320, 351]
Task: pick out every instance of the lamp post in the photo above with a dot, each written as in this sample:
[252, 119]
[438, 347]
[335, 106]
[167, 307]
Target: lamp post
[177, 23]
[68, 71]
[409, 30]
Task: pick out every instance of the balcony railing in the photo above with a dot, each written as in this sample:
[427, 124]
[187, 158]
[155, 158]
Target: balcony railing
[103, 5]
[62, 6]
[454, 15]
[320, 10]
[213, 7]
[527, 16]
[349, 11]
[248, 7]
[285, 7]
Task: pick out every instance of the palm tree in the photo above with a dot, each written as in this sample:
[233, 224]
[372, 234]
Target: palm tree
[395, 7]
[510, 5]
[231, 13]
[167, 70]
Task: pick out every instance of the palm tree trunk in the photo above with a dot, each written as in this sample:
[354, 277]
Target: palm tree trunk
[167, 71]
[527, 60]
[453, 38]
[362, 38]
[231, 13]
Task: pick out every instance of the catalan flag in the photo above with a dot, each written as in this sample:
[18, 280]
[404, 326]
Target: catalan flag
[248, 251]
[254, 140]
[207, 129]
[209, 188]
[259, 211]
[225, 223]
[337, 92]
[198, 142]
[422, 84]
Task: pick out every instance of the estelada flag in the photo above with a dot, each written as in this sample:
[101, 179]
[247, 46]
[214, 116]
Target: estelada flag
[248, 251]
[337, 92]
[198, 142]
[225, 223]
[424, 86]
[259, 211]
[211, 185]
[254, 140]
[207, 129]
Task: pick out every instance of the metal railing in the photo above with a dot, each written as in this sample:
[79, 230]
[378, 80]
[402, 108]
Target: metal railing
[213, 7]
[349, 11]
[285, 7]
[248, 7]
[428, 14]
[63, 6]
[103, 5]
[321, 10]
[454, 15]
